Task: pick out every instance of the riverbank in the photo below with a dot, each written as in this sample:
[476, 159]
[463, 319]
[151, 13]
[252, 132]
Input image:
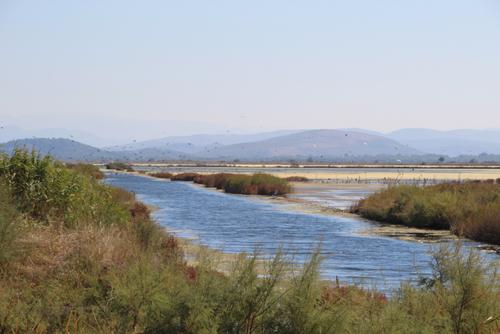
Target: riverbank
[187, 207]
[469, 209]
[327, 198]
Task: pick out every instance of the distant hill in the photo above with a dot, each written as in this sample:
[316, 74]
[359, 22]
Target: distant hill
[316, 144]
[196, 143]
[452, 143]
[11, 132]
[70, 150]
[60, 148]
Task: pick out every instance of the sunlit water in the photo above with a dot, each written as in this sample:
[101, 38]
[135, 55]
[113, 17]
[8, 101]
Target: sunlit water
[236, 223]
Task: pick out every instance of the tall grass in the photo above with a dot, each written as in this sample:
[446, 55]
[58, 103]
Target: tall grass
[48, 191]
[87, 169]
[9, 219]
[468, 209]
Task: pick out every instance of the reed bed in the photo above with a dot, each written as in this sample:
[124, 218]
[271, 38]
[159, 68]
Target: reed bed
[256, 184]
[297, 179]
[469, 209]
[162, 175]
[121, 166]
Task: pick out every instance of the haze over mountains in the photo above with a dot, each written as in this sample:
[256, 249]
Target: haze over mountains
[452, 143]
[342, 145]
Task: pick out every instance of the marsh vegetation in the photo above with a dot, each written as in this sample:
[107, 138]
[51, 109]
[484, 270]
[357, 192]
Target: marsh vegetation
[80, 256]
[470, 209]
[255, 184]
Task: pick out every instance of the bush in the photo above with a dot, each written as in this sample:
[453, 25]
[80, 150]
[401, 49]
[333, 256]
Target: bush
[162, 175]
[87, 169]
[297, 179]
[121, 166]
[184, 177]
[256, 184]
[8, 225]
[470, 209]
[47, 191]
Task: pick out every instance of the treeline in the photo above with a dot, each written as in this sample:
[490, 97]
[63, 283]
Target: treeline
[470, 209]
[256, 184]
[78, 256]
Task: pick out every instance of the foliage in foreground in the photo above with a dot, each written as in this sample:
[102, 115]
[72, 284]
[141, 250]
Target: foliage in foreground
[129, 276]
[256, 184]
[469, 209]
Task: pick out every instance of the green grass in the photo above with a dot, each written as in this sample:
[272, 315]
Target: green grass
[467, 209]
[129, 276]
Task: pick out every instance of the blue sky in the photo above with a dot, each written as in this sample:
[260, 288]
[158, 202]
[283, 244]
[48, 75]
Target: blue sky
[148, 68]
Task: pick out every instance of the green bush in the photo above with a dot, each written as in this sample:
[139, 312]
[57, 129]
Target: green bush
[8, 225]
[87, 169]
[48, 191]
[470, 209]
[184, 177]
[162, 175]
[256, 184]
[121, 166]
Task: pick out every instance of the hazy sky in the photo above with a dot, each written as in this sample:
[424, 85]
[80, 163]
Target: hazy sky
[145, 68]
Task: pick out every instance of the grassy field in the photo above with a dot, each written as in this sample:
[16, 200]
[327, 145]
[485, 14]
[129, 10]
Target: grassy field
[470, 209]
[77, 256]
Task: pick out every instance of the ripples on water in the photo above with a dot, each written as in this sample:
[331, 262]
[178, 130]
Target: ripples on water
[234, 223]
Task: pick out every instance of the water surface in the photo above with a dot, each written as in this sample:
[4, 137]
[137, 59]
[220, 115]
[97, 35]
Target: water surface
[236, 223]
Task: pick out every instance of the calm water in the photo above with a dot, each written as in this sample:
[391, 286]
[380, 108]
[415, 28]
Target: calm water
[234, 223]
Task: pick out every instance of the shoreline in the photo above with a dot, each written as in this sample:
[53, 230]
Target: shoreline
[399, 232]
[264, 165]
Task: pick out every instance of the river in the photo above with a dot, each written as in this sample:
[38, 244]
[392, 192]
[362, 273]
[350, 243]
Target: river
[236, 223]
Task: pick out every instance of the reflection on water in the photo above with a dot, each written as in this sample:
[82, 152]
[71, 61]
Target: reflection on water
[337, 196]
[235, 223]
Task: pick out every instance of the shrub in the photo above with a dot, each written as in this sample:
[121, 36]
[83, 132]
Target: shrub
[470, 209]
[8, 225]
[256, 184]
[121, 166]
[87, 169]
[184, 177]
[48, 191]
[297, 179]
[162, 175]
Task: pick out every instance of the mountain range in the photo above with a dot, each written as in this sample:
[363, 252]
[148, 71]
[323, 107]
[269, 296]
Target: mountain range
[341, 145]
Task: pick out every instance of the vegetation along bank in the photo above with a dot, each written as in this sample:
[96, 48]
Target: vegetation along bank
[470, 209]
[78, 256]
[256, 184]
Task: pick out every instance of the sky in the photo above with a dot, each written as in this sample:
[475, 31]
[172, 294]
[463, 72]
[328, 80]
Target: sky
[144, 69]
